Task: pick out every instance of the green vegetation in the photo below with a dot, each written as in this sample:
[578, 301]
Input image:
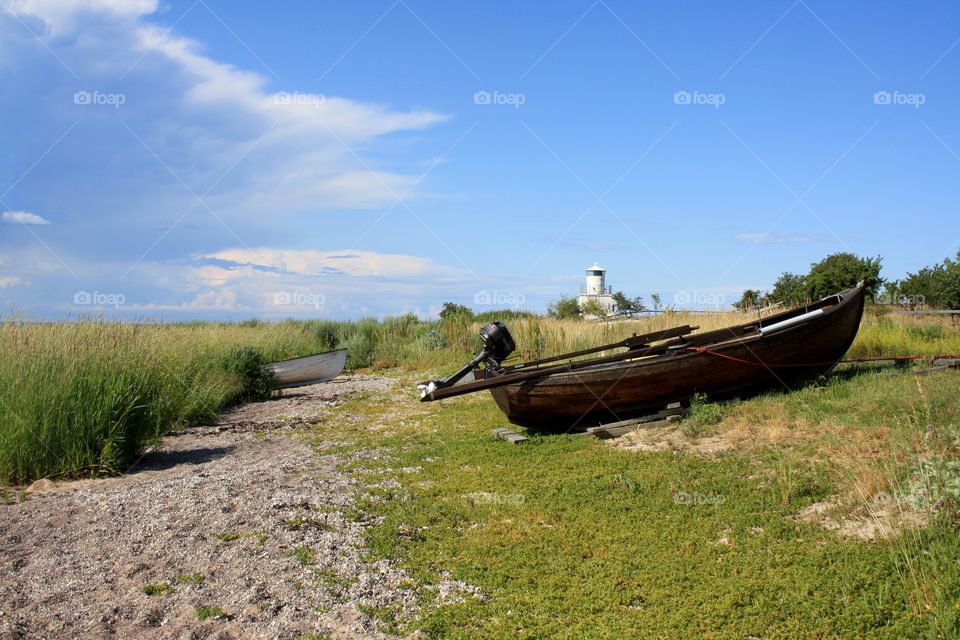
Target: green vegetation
[751, 298]
[304, 555]
[623, 304]
[214, 612]
[158, 589]
[228, 536]
[937, 286]
[592, 308]
[249, 366]
[703, 415]
[566, 537]
[85, 398]
[834, 273]
[191, 578]
[841, 270]
[564, 309]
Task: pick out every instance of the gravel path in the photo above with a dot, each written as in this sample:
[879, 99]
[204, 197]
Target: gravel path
[244, 518]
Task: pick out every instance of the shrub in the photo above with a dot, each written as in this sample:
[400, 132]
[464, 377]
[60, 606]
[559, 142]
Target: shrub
[248, 364]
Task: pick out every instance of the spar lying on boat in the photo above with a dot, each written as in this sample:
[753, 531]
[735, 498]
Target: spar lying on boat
[313, 369]
[658, 368]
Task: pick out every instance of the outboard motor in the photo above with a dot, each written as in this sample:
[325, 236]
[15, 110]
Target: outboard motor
[498, 344]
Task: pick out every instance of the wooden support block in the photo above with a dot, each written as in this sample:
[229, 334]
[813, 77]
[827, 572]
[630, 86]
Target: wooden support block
[509, 435]
[671, 413]
[951, 363]
[929, 370]
[607, 432]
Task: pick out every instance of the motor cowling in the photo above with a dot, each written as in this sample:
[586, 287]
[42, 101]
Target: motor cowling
[498, 344]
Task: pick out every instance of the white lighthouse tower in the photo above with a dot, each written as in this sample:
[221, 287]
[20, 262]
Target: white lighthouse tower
[596, 289]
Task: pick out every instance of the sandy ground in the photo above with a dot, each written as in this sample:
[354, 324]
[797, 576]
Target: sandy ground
[246, 508]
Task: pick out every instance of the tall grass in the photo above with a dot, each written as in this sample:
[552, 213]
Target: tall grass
[84, 397]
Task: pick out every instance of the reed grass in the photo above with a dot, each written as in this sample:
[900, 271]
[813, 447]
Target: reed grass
[84, 397]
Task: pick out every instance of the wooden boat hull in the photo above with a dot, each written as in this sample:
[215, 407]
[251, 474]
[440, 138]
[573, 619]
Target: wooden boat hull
[738, 365]
[314, 369]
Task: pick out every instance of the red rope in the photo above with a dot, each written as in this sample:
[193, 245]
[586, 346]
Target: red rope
[819, 364]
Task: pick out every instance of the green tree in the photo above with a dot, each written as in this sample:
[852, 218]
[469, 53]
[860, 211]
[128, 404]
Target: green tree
[594, 308]
[655, 298]
[788, 290]
[623, 304]
[750, 299]
[564, 308]
[937, 286]
[949, 284]
[840, 271]
[451, 309]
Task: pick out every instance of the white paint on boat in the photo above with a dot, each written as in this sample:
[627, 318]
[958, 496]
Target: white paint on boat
[789, 322]
[313, 369]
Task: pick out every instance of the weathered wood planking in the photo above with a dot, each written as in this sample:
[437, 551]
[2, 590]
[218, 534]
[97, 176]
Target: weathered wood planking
[509, 435]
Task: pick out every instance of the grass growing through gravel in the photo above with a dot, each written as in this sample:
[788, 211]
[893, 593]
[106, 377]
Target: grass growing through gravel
[569, 538]
[158, 589]
[214, 612]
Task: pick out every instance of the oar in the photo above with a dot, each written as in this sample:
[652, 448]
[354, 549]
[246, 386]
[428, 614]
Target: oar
[633, 342]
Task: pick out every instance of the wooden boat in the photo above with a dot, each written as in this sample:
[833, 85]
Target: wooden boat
[314, 369]
[656, 369]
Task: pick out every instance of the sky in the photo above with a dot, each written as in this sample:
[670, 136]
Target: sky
[221, 160]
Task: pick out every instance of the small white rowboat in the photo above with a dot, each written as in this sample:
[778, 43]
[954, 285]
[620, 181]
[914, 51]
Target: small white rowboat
[314, 369]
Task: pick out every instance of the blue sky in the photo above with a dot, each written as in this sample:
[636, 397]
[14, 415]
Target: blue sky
[208, 159]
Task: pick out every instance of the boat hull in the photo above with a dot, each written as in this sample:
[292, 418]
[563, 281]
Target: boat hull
[724, 369]
[314, 369]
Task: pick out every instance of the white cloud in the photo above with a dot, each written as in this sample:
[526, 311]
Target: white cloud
[23, 217]
[8, 281]
[213, 123]
[346, 262]
[62, 16]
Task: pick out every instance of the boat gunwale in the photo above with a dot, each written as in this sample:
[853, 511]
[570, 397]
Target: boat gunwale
[303, 358]
[843, 298]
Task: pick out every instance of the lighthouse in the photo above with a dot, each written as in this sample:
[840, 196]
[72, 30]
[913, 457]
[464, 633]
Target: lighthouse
[596, 288]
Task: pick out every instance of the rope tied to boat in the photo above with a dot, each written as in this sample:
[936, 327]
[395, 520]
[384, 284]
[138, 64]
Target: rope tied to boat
[822, 364]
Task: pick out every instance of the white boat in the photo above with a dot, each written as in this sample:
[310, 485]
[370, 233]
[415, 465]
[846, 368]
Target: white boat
[313, 369]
